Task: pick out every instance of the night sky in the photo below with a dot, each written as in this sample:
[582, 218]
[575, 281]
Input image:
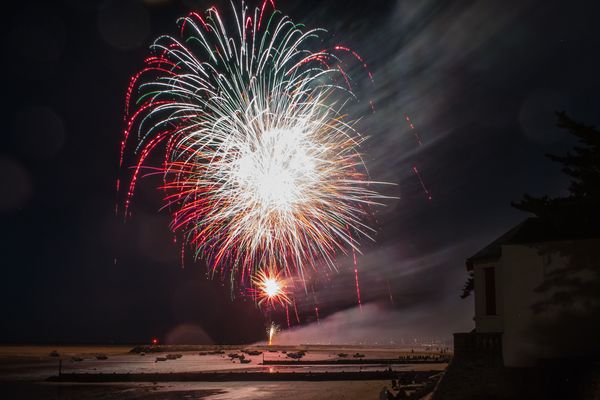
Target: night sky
[480, 81]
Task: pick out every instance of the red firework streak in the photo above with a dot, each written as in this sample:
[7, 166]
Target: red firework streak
[182, 251]
[356, 279]
[413, 130]
[427, 192]
[414, 168]
[316, 304]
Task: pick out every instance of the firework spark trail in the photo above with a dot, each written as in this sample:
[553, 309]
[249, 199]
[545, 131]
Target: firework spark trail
[261, 166]
[182, 255]
[287, 316]
[418, 174]
[414, 168]
[356, 279]
[315, 303]
[413, 130]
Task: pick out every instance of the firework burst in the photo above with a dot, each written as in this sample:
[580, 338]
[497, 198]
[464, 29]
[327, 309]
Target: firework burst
[270, 288]
[261, 166]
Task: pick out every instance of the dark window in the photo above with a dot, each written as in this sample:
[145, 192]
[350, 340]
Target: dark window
[490, 291]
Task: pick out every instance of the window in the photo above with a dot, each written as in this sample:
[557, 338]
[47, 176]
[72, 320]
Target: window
[490, 291]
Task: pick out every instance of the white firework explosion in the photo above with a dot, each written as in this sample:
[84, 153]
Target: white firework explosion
[262, 167]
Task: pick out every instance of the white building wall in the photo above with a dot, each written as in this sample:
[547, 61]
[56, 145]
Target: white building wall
[522, 273]
[532, 335]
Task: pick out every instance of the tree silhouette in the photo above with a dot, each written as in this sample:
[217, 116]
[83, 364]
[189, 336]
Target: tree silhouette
[469, 286]
[569, 297]
[575, 216]
[582, 205]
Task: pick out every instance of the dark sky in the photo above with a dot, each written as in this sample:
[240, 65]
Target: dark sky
[480, 81]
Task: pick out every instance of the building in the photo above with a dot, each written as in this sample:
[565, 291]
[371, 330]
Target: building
[537, 291]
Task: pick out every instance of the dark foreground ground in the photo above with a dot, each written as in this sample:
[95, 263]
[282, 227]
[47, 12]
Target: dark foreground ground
[210, 391]
[29, 390]
[564, 380]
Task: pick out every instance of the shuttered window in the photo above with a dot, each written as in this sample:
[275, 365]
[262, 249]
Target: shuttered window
[490, 291]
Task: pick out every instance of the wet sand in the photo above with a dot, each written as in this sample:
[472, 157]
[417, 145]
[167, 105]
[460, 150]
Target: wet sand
[25, 369]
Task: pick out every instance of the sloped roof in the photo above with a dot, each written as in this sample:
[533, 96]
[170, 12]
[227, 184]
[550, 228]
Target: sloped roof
[533, 230]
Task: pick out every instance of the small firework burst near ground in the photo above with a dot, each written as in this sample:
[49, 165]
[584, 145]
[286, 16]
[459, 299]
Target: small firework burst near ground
[261, 166]
[272, 330]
